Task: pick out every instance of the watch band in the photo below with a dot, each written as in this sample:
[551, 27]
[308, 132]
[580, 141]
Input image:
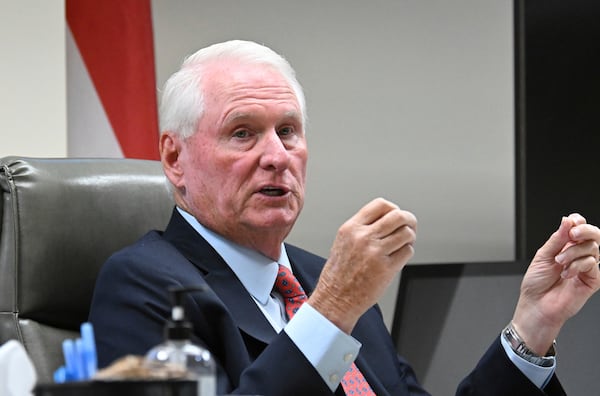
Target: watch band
[520, 348]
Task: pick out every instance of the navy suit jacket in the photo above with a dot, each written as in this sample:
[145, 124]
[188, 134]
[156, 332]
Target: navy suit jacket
[131, 305]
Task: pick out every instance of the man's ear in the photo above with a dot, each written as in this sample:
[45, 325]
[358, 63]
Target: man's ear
[169, 147]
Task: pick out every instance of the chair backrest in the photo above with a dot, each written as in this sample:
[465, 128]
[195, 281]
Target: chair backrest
[61, 219]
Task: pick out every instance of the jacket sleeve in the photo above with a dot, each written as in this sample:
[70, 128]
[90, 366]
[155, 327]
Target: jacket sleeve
[496, 375]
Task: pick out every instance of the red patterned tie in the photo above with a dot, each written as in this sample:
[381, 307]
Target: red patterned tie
[354, 383]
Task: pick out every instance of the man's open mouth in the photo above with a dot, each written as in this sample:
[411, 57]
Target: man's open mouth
[272, 191]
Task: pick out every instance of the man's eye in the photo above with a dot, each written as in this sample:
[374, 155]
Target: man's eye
[240, 134]
[285, 131]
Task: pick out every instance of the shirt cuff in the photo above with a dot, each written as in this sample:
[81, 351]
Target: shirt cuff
[537, 374]
[331, 352]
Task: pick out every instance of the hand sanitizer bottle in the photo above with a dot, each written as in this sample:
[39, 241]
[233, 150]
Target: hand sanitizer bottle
[177, 350]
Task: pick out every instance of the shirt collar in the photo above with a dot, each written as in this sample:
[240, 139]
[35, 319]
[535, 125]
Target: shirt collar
[256, 271]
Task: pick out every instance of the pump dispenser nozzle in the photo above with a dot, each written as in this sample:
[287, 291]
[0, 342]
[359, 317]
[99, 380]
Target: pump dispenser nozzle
[178, 350]
[179, 328]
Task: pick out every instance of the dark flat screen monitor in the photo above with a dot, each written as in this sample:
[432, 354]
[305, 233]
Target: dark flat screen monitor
[447, 315]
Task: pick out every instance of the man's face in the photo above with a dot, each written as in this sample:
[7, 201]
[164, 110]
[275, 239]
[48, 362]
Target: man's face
[244, 168]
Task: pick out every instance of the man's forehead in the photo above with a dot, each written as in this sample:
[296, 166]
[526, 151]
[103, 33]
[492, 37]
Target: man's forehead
[232, 72]
[239, 83]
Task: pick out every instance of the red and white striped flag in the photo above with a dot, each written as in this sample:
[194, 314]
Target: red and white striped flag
[111, 82]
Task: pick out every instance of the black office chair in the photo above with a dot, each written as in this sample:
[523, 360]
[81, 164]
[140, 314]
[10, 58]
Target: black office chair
[61, 219]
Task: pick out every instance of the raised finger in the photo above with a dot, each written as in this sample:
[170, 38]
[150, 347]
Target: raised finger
[582, 232]
[392, 221]
[578, 251]
[395, 241]
[373, 211]
[402, 255]
[586, 264]
[577, 218]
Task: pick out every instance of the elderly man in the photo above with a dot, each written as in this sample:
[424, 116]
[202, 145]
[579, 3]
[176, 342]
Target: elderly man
[234, 149]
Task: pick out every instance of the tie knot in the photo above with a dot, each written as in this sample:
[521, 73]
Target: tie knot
[286, 283]
[288, 286]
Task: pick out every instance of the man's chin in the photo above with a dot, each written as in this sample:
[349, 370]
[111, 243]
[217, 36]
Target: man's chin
[270, 221]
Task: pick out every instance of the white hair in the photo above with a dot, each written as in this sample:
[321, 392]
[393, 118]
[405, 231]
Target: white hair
[182, 102]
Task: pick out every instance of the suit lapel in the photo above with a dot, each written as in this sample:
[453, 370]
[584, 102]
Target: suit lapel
[220, 278]
[227, 286]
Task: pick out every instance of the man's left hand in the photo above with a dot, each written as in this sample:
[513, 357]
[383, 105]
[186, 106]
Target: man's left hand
[563, 275]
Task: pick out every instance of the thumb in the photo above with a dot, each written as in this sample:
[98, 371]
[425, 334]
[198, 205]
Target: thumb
[558, 240]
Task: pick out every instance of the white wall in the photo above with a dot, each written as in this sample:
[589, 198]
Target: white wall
[411, 100]
[33, 78]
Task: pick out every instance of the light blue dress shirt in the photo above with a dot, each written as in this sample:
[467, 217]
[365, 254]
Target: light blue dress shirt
[333, 351]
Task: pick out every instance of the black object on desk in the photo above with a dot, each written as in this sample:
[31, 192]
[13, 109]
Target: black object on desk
[111, 388]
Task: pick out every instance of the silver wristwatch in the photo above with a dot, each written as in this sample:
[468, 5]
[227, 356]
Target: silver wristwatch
[520, 348]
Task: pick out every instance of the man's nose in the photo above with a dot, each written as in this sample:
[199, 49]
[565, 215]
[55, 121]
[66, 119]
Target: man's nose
[274, 154]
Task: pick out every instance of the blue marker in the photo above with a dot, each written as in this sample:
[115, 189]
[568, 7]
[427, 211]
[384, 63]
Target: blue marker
[60, 375]
[80, 371]
[70, 360]
[88, 350]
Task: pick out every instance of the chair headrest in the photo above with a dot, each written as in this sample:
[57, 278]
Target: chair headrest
[61, 219]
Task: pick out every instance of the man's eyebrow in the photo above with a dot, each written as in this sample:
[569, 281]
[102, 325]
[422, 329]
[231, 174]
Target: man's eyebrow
[293, 114]
[241, 116]
[232, 117]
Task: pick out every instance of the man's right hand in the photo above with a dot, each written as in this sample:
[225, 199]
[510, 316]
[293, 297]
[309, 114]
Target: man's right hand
[369, 250]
